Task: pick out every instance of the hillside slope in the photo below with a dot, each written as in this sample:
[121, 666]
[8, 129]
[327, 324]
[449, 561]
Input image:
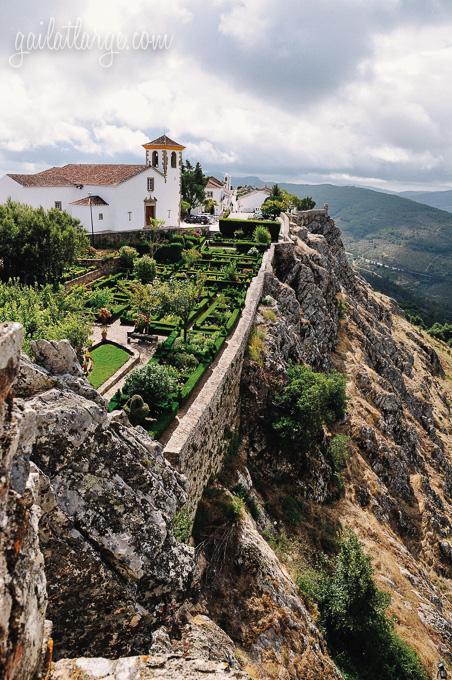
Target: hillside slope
[397, 484]
[436, 199]
[402, 247]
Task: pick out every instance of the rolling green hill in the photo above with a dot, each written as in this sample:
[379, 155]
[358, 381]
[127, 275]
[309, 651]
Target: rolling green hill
[436, 199]
[404, 248]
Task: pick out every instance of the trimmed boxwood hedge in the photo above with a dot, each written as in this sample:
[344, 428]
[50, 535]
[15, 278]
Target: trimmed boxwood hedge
[169, 252]
[160, 425]
[193, 380]
[230, 323]
[228, 226]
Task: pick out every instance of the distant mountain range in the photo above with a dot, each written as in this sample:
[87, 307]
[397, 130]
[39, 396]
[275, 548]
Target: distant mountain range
[402, 246]
[436, 199]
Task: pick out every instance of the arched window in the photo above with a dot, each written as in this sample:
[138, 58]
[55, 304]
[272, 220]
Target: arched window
[173, 159]
[155, 159]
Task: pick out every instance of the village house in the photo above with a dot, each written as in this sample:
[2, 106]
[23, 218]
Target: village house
[220, 192]
[250, 200]
[108, 197]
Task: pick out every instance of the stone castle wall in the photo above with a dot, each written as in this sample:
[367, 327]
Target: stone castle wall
[202, 438]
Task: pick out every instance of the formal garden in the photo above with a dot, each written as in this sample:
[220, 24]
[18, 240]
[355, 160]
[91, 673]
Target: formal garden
[197, 292]
[179, 292]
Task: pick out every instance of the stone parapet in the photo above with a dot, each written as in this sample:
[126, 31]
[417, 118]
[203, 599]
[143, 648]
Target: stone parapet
[201, 440]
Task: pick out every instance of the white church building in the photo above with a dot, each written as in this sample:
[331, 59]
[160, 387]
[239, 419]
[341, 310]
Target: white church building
[108, 197]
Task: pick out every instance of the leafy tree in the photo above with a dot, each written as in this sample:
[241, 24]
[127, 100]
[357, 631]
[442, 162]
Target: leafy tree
[127, 256]
[338, 452]
[276, 193]
[47, 313]
[180, 298]
[177, 297]
[153, 382]
[184, 208]
[262, 235]
[281, 200]
[353, 615]
[272, 208]
[145, 302]
[209, 206]
[307, 203]
[441, 331]
[193, 184]
[307, 402]
[100, 298]
[154, 234]
[145, 269]
[37, 245]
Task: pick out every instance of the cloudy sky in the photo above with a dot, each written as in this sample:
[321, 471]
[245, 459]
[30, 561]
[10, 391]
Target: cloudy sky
[341, 91]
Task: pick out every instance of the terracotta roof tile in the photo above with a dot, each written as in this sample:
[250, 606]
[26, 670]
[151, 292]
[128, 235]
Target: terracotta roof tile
[164, 140]
[215, 183]
[74, 174]
[38, 181]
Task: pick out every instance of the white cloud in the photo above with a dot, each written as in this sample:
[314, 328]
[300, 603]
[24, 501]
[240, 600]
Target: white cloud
[346, 89]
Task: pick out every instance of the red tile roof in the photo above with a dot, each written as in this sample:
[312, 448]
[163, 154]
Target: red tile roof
[215, 183]
[38, 181]
[74, 174]
[164, 140]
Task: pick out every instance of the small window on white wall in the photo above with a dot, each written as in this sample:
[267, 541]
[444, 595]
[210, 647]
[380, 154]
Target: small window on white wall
[130, 216]
[101, 216]
[150, 184]
[58, 205]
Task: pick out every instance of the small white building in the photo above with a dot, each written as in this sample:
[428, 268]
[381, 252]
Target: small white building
[108, 197]
[251, 200]
[220, 191]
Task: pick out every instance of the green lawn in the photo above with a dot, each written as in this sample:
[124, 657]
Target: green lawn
[107, 359]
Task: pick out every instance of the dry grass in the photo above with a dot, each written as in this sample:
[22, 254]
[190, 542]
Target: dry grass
[256, 345]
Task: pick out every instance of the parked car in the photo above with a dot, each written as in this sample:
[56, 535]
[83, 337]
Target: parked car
[210, 218]
[202, 219]
[192, 219]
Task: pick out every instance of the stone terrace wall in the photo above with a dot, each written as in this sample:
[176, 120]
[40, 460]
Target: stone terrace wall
[115, 239]
[200, 442]
[104, 267]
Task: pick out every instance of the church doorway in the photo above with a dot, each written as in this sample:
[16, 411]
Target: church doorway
[149, 209]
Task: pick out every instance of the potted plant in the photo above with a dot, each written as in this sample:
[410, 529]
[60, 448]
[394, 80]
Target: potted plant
[104, 316]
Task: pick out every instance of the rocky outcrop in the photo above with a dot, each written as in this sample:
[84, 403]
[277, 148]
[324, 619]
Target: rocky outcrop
[107, 498]
[265, 615]
[23, 629]
[202, 651]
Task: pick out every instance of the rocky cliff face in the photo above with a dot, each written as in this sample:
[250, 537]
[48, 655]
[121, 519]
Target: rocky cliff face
[108, 497]
[87, 502]
[398, 480]
[23, 630]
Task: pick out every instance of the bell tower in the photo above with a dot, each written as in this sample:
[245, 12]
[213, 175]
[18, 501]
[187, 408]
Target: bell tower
[165, 155]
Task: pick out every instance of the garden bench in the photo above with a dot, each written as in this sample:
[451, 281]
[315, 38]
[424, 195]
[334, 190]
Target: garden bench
[144, 337]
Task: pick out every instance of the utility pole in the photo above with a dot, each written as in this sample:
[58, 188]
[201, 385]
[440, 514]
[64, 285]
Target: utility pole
[91, 213]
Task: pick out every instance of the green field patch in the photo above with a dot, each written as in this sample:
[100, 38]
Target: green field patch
[107, 359]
